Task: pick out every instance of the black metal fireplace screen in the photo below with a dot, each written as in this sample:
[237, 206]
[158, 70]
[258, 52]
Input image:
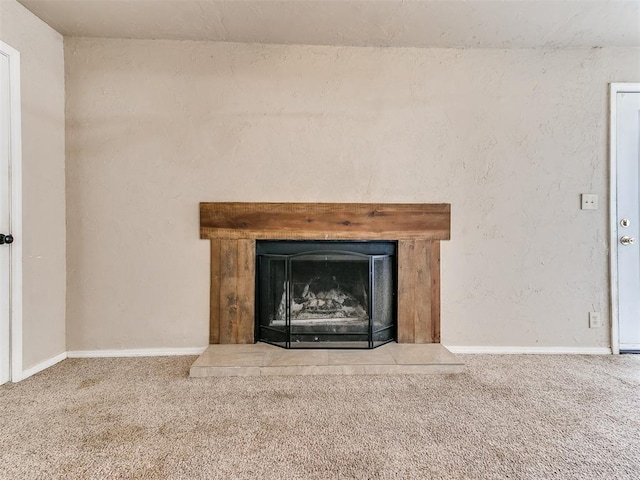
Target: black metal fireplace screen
[325, 294]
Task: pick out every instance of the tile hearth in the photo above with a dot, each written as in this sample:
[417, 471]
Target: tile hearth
[263, 359]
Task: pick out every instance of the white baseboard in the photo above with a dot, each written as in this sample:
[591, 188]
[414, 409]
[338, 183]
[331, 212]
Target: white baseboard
[41, 366]
[142, 352]
[532, 350]
[163, 352]
[139, 352]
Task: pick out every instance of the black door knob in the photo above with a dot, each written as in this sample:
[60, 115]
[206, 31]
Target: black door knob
[6, 239]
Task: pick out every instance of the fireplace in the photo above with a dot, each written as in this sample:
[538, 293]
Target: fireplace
[236, 232]
[331, 294]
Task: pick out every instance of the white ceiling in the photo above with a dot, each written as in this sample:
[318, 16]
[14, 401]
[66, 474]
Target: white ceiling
[403, 23]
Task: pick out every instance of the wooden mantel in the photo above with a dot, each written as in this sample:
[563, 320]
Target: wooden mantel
[233, 229]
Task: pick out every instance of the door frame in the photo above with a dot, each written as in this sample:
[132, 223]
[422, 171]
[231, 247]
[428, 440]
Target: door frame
[615, 88]
[15, 213]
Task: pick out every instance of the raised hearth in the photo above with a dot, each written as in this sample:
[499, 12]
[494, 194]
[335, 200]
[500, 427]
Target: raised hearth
[262, 359]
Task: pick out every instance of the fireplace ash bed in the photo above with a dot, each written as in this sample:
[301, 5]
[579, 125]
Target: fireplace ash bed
[332, 307]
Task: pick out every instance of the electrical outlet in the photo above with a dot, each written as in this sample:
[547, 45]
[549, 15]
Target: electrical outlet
[589, 201]
[595, 320]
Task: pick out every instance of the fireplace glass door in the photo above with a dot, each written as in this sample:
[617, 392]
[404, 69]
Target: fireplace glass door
[325, 294]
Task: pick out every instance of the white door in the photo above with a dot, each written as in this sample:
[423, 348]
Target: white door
[5, 331]
[627, 148]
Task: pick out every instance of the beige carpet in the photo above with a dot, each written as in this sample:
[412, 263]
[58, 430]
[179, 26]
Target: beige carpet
[517, 417]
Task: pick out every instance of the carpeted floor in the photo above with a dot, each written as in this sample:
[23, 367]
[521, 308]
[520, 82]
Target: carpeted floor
[517, 417]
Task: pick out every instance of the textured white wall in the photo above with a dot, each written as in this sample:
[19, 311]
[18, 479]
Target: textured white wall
[43, 176]
[509, 138]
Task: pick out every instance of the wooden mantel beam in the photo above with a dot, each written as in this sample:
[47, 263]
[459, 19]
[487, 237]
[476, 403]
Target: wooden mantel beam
[325, 221]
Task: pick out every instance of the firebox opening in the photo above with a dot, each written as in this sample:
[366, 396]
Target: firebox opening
[326, 294]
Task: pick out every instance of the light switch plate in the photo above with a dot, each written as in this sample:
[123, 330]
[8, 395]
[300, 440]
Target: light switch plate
[589, 201]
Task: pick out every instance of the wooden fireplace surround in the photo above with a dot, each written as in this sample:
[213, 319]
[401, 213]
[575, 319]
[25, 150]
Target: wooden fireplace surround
[233, 229]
